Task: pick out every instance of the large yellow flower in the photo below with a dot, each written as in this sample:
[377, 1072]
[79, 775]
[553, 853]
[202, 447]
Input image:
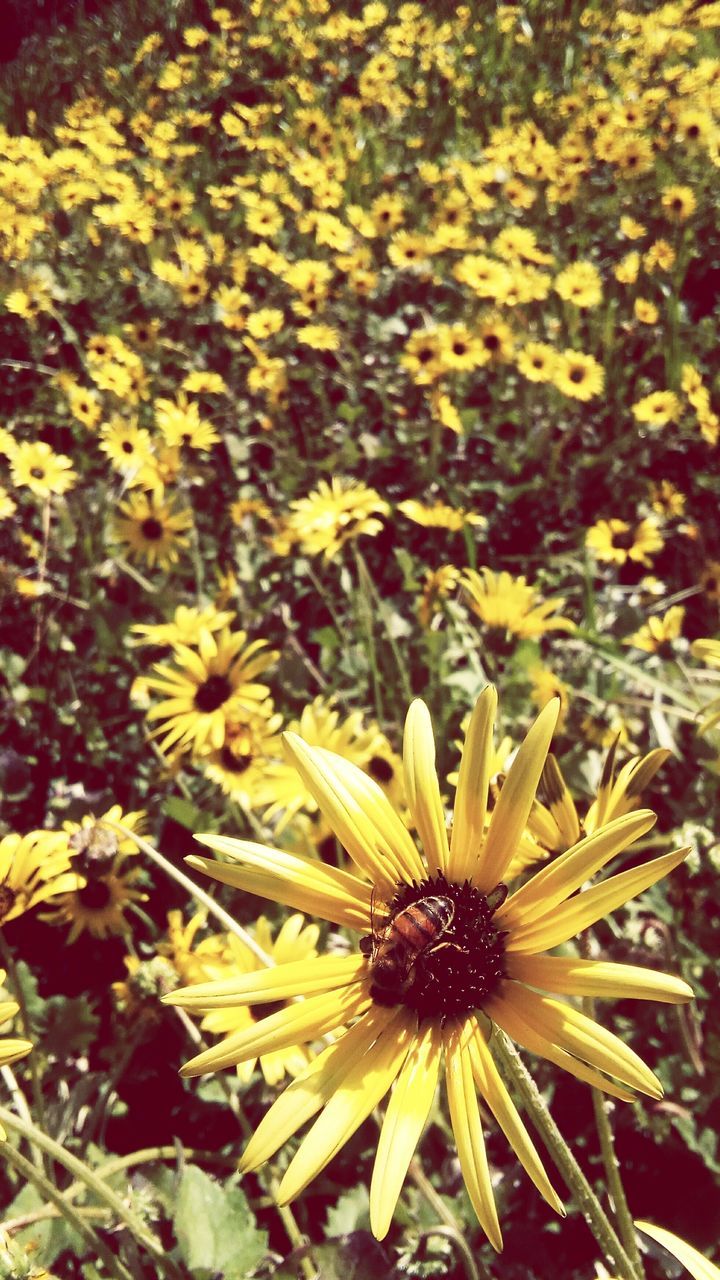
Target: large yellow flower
[500, 600]
[35, 466]
[212, 686]
[444, 959]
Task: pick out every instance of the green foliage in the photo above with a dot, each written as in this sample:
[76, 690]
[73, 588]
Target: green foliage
[215, 1228]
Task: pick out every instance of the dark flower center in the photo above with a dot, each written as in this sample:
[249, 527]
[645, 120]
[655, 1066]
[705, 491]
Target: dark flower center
[491, 341]
[151, 529]
[212, 693]
[232, 762]
[576, 374]
[624, 540]
[37, 473]
[96, 896]
[437, 950]
[126, 446]
[380, 769]
[259, 1011]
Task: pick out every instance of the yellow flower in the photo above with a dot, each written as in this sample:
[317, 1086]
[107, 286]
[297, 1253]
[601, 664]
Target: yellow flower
[233, 961]
[240, 766]
[35, 466]
[615, 541]
[478, 965]
[185, 627]
[212, 686]
[128, 446]
[33, 868]
[537, 362]
[657, 634]
[321, 337]
[151, 529]
[679, 203]
[645, 311]
[332, 515]
[578, 376]
[500, 600]
[180, 423]
[657, 409]
[580, 283]
[439, 515]
[99, 903]
[708, 651]
[438, 585]
[265, 322]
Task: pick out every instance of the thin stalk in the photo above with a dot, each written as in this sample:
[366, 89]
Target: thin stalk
[71, 1215]
[86, 1175]
[19, 994]
[585, 1198]
[365, 617]
[20, 1104]
[199, 894]
[473, 1266]
[383, 611]
[615, 1187]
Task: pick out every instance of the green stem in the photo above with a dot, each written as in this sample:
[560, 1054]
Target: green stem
[67, 1211]
[384, 613]
[365, 616]
[20, 1104]
[89, 1178]
[584, 1196]
[199, 894]
[473, 1266]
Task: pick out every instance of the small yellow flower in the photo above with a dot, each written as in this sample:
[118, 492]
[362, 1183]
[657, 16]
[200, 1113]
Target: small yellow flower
[679, 203]
[657, 409]
[332, 515]
[36, 467]
[581, 284]
[578, 376]
[152, 529]
[500, 600]
[657, 634]
[321, 337]
[614, 541]
[645, 311]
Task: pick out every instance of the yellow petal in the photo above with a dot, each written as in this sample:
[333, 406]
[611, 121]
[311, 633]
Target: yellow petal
[307, 1020]
[365, 1084]
[421, 785]
[314, 1087]
[282, 982]
[405, 1118]
[359, 813]
[601, 978]
[586, 1039]
[699, 1267]
[11, 1050]
[493, 1090]
[594, 904]
[508, 1014]
[554, 883]
[291, 879]
[465, 1118]
[472, 789]
[510, 815]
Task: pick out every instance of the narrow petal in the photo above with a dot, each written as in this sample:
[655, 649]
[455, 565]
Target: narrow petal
[359, 813]
[581, 1036]
[695, 1263]
[492, 1087]
[554, 883]
[472, 789]
[510, 815]
[365, 1084]
[594, 904]
[310, 1091]
[11, 1050]
[465, 1118]
[282, 982]
[601, 978]
[508, 1014]
[422, 787]
[291, 879]
[405, 1119]
[307, 1020]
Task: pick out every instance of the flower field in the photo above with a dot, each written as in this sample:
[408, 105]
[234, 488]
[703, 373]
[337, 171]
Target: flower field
[360, 642]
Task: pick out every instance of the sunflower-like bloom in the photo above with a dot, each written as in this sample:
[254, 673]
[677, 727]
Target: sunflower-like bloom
[708, 651]
[33, 868]
[500, 600]
[152, 529]
[657, 634]
[615, 541]
[444, 958]
[212, 686]
[330, 516]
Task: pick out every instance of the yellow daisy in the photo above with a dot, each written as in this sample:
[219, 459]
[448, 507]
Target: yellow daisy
[33, 869]
[577, 375]
[185, 628]
[240, 766]
[35, 466]
[657, 634]
[500, 600]
[708, 651]
[657, 409]
[615, 541]
[445, 961]
[99, 902]
[152, 529]
[212, 686]
[330, 516]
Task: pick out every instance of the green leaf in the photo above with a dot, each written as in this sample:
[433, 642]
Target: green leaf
[351, 1211]
[47, 1237]
[185, 813]
[215, 1228]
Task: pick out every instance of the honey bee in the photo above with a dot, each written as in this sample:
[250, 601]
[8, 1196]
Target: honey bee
[395, 948]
